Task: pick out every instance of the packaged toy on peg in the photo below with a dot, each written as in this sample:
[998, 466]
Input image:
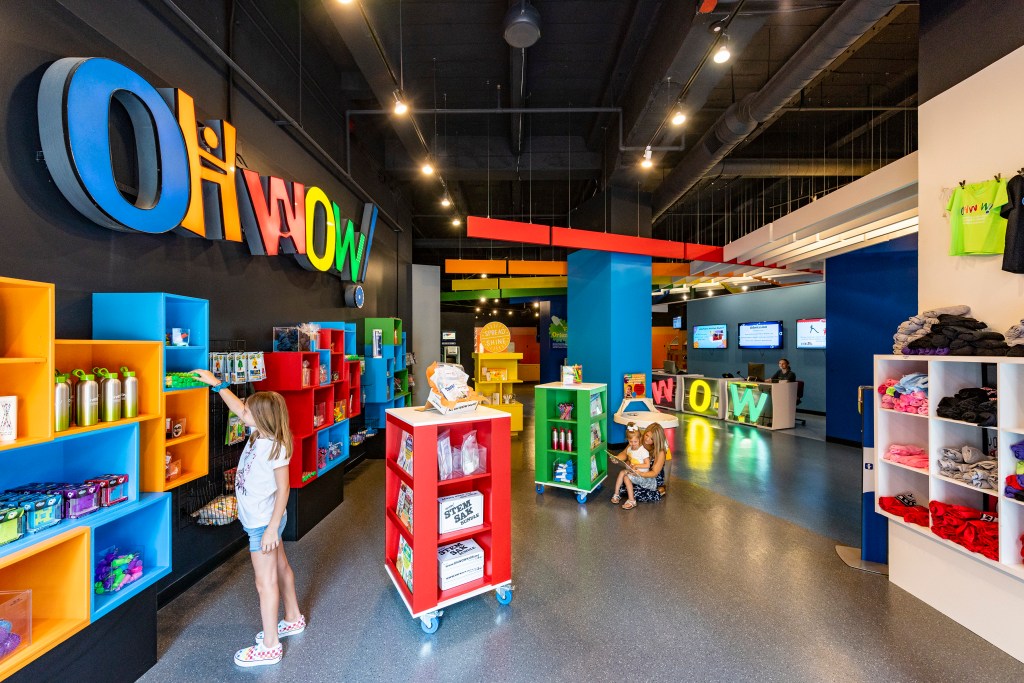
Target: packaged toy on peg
[257, 367]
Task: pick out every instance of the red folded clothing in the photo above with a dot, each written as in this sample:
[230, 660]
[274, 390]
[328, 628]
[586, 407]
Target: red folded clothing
[976, 530]
[914, 514]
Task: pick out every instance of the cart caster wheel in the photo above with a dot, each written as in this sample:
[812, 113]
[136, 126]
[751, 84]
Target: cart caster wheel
[504, 596]
[581, 498]
[430, 626]
[540, 488]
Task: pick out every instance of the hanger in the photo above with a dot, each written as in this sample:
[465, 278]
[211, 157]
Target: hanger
[963, 183]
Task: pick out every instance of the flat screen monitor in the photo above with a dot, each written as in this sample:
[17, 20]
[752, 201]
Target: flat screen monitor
[448, 335]
[709, 337]
[677, 322]
[755, 372]
[810, 333]
[670, 367]
[761, 335]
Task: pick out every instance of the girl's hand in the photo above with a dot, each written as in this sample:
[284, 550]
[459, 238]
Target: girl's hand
[270, 540]
[207, 377]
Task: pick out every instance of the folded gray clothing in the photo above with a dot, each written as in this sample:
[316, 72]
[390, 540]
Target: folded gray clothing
[948, 310]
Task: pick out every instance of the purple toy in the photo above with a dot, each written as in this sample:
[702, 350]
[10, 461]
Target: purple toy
[9, 641]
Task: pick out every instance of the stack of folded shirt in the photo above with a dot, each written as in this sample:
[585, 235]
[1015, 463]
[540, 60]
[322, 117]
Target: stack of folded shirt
[908, 395]
[914, 514]
[958, 335]
[1015, 339]
[971, 466]
[918, 326]
[973, 529]
[1015, 482]
[974, 405]
[911, 456]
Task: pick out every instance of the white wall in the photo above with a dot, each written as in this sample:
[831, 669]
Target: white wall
[425, 300]
[970, 132]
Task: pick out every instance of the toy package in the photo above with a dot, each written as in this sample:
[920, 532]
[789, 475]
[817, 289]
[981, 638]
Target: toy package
[12, 524]
[240, 367]
[405, 451]
[15, 621]
[470, 452]
[8, 418]
[444, 455]
[595, 405]
[113, 488]
[257, 368]
[235, 430]
[218, 361]
[42, 510]
[460, 511]
[404, 507]
[565, 472]
[403, 563]
[459, 563]
[595, 436]
[219, 511]
[117, 569]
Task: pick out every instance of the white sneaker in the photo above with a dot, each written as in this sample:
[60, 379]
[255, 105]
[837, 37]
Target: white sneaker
[258, 655]
[287, 628]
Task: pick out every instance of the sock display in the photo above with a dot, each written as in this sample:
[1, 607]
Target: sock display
[913, 514]
[975, 530]
[951, 331]
[974, 405]
[911, 456]
[1014, 487]
[971, 466]
[909, 394]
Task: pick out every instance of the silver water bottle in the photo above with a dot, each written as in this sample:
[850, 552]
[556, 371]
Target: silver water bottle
[110, 395]
[130, 400]
[87, 399]
[61, 403]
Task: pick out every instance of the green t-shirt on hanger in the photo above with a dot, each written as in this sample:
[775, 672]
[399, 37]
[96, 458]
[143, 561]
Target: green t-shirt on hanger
[977, 228]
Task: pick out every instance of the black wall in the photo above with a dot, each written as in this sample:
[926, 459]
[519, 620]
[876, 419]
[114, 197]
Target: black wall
[958, 38]
[463, 324]
[43, 238]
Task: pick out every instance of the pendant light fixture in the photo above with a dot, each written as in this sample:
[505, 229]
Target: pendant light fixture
[722, 55]
[647, 163]
[679, 118]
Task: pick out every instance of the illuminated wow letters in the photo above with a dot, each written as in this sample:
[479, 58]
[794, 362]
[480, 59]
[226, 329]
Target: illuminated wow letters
[700, 396]
[754, 406]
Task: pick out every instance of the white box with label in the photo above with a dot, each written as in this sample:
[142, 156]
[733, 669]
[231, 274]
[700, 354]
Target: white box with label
[461, 511]
[459, 563]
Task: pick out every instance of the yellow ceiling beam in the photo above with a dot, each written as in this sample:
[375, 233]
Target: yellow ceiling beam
[471, 283]
[534, 282]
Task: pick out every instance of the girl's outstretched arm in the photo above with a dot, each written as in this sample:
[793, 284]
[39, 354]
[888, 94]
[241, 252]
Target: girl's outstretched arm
[234, 403]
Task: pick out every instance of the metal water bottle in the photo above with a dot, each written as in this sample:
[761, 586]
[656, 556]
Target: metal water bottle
[110, 395]
[130, 401]
[61, 403]
[87, 399]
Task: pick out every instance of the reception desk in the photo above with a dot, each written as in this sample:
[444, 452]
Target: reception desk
[768, 405]
[703, 396]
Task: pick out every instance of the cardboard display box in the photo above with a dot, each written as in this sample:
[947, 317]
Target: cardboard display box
[459, 563]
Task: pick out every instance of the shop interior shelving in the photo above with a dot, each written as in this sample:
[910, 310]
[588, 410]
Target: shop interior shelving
[486, 365]
[946, 376]
[57, 563]
[547, 418]
[494, 535]
[26, 356]
[379, 373]
[151, 316]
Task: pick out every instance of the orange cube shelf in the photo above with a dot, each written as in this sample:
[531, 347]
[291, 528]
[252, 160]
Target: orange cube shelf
[192, 448]
[26, 356]
[57, 572]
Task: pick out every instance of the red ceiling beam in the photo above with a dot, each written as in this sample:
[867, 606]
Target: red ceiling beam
[507, 231]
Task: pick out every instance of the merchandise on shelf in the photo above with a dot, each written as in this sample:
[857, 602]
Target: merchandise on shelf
[62, 393]
[911, 456]
[175, 427]
[405, 451]
[565, 410]
[565, 472]
[296, 338]
[8, 419]
[909, 394]
[256, 369]
[116, 570]
[976, 405]
[130, 396]
[449, 392]
[403, 563]
[79, 499]
[42, 510]
[12, 524]
[113, 488]
[969, 465]
[976, 530]
[906, 507]
[181, 380]
[110, 395]
[1015, 482]
[403, 508]
[444, 455]
[15, 621]
[951, 331]
[87, 399]
[178, 336]
[460, 511]
[459, 563]
[219, 511]
[235, 432]
[172, 467]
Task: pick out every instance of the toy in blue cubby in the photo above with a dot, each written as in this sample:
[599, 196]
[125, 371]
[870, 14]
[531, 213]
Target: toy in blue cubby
[116, 570]
[565, 472]
[12, 524]
[182, 380]
[42, 510]
[113, 488]
[153, 316]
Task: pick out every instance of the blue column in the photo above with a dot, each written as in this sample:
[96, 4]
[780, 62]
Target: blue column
[609, 316]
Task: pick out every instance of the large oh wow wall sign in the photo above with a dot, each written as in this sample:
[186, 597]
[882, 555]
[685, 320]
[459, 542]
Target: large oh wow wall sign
[187, 180]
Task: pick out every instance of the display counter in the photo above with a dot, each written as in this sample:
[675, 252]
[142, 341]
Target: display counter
[768, 405]
[703, 396]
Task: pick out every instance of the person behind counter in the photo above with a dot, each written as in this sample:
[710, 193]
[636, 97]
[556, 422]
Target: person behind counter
[784, 373]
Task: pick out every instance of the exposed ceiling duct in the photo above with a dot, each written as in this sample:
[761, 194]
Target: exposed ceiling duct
[522, 25]
[849, 22]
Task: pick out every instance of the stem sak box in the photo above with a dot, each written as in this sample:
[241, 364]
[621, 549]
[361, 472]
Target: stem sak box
[460, 511]
[459, 563]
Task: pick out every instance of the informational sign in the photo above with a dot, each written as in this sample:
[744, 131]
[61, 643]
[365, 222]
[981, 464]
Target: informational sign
[558, 332]
[495, 337]
[186, 176]
[634, 385]
[709, 337]
[810, 333]
[448, 338]
[700, 396]
[760, 335]
[750, 402]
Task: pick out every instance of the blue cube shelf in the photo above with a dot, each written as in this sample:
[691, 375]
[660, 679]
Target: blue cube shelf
[336, 433]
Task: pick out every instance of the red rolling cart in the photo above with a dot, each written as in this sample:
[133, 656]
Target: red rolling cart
[426, 600]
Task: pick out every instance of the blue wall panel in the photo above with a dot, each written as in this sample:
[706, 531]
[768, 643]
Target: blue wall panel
[787, 304]
[609, 313]
[870, 292]
[550, 359]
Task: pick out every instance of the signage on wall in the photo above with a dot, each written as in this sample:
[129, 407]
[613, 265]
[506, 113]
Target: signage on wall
[634, 385]
[495, 337]
[558, 332]
[187, 179]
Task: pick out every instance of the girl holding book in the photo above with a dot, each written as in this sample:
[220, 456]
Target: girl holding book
[645, 484]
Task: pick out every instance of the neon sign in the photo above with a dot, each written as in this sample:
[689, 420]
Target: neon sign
[187, 179]
[664, 391]
[753, 407]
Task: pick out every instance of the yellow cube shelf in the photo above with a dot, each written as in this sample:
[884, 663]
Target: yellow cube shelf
[498, 374]
[26, 355]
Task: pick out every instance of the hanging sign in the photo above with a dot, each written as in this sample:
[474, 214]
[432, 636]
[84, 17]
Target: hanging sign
[495, 337]
[187, 179]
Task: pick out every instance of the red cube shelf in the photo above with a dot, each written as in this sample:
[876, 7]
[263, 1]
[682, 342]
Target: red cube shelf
[494, 535]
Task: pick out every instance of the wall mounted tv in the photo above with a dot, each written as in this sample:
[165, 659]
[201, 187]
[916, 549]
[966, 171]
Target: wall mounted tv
[677, 322]
[761, 335]
[810, 333]
[709, 337]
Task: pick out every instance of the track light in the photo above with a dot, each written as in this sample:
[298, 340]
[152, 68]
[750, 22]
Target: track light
[647, 163]
[496, 300]
[510, 313]
[427, 169]
[345, 2]
[483, 276]
[456, 222]
[722, 55]
[679, 118]
[483, 299]
[536, 304]
[401, 108]
[477, 309]
[446, 202]
[744, 288]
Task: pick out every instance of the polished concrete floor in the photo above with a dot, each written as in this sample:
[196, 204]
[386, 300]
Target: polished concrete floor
[732, 577]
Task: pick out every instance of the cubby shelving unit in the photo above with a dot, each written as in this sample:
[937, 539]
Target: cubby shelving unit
[57, 563]
[151, 316]
[946, 376]
[485, 365]
[379, 374]
[426, 600]
[547, 417]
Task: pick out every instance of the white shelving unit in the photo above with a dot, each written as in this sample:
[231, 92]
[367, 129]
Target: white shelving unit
[946, 376]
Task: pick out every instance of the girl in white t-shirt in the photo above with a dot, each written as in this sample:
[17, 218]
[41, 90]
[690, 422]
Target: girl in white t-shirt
[638, 458]
[261, 487]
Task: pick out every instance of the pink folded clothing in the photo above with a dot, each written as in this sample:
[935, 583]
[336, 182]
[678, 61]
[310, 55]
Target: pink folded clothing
[911, 456]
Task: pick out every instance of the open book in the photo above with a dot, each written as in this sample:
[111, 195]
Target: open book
[621, 463]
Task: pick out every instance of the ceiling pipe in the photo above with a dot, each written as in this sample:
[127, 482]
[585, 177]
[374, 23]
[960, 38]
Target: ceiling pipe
[775, 168]
[846, 25]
